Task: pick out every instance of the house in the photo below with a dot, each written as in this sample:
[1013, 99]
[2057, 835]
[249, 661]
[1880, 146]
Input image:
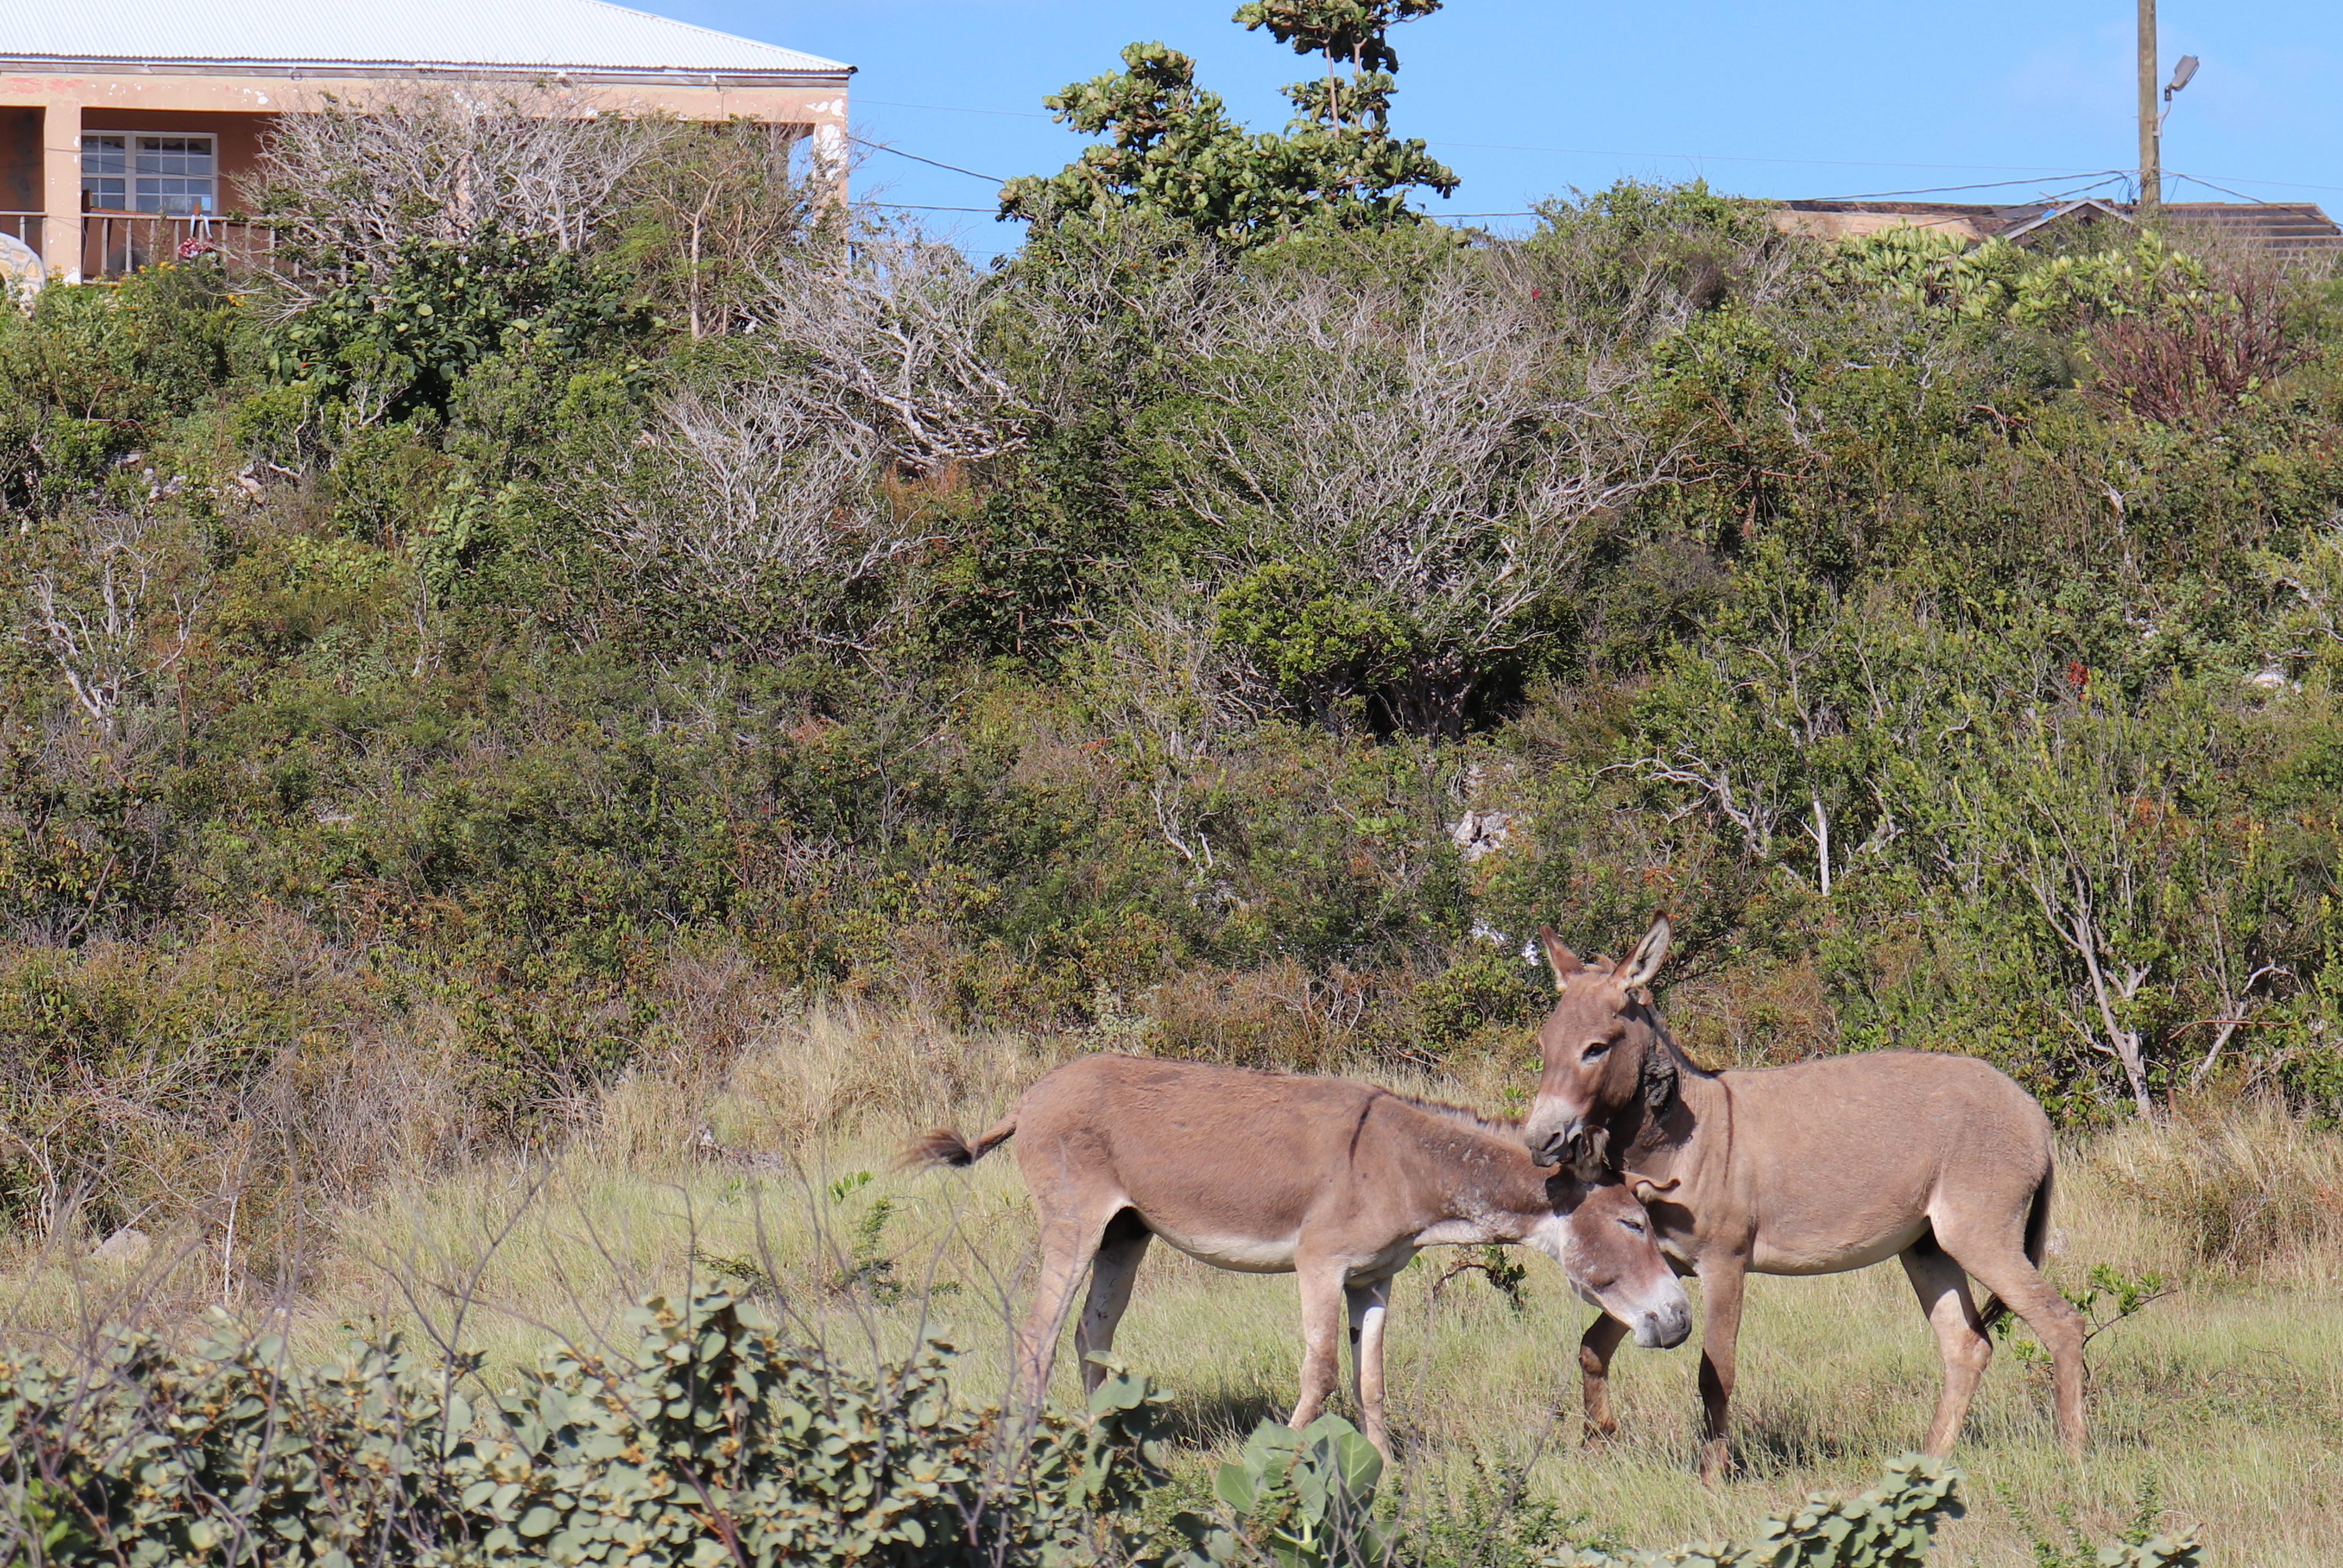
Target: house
[124, 129]
[2283, 228]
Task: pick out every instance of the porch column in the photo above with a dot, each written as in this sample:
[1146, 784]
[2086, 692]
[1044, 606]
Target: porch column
[61, 190]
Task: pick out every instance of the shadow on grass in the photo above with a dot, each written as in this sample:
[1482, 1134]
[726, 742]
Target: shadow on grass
[1209, 1420]
[1765, 1450]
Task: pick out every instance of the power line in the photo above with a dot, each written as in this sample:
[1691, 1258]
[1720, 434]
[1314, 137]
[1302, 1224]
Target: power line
[956, 109]
[2208, 185]
[2247, 180]
[913, 206]
[955, 168]
[1744, 159]
[1984, 186]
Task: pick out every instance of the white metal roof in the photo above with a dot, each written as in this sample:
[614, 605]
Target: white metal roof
[584, 35]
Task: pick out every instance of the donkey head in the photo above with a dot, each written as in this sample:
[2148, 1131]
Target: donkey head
[1604, 1052]
[1602, 1236]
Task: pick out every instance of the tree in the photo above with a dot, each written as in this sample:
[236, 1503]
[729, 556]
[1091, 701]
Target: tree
[1336, 168]
[1399, 487]
[346, 184]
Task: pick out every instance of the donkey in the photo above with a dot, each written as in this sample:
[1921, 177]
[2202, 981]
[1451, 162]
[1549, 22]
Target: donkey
[1814, 1169]
[1336, 1181]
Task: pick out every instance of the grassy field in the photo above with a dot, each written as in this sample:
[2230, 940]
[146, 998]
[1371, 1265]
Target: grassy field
[2223, 1400]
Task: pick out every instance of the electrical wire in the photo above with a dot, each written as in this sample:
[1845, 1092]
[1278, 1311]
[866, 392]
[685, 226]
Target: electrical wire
[1984, 186]
[955, 168]
[1745, 159]
[2247, 180]
[1573, 152]
[2208, 185]
[956, 109]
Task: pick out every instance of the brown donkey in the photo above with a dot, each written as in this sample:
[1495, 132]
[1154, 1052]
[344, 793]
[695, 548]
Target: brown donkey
[1336, 1181]
[1814, 1169]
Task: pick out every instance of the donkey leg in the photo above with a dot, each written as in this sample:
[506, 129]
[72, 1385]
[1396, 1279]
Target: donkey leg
[1594, 1352]
[1112, 1270]
[1721, 1285]
[2011, 1276]
[1321, 1333]
[1944, 1292]
[1370, 1306]
[1067, 1246]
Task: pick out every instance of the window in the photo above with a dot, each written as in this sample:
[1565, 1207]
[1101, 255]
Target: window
[131, 171]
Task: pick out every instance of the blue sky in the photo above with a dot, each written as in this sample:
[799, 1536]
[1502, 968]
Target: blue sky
[1526, 99]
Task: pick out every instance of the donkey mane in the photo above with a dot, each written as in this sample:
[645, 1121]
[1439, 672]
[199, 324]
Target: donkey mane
[1465, 1114]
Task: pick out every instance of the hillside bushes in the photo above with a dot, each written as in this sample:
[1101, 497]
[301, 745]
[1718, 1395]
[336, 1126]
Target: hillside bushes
[1239, 658]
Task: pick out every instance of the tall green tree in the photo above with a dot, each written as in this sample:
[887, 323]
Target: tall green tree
[1175, 152]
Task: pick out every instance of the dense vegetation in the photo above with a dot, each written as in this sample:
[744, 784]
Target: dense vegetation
[467, 665]
[713, 1433]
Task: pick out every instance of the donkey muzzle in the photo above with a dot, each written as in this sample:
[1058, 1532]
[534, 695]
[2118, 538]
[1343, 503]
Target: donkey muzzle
[1664, 1328]
[1553, 1144]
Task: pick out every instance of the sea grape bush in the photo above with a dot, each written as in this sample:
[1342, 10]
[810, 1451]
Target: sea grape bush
[1300, 1499]
[713, 1438]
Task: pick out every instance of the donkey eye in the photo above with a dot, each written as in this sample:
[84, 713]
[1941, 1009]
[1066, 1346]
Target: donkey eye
[1594, 1048]
[1634, 1227]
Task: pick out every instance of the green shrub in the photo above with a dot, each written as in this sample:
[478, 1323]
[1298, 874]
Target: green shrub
[1302, 1499]
[713, 1438]
[395, 345]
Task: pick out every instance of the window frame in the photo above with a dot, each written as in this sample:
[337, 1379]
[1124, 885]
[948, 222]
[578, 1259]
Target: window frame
[130, 174]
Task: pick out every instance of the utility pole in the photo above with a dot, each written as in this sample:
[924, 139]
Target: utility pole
[2151, 121]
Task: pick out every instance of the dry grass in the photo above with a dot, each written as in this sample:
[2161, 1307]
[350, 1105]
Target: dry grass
[2245, 1185]
[2227, 1396]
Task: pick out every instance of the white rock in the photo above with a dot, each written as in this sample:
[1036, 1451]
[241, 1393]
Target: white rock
[1479, 833]
[127, 1245]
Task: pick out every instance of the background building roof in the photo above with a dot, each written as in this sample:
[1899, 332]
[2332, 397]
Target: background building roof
[2284, 227]
[584, 37]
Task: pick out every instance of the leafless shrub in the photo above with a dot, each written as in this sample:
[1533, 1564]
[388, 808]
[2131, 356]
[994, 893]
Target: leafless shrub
[1438, 452]
[751, 499]
[349, 179]
[97, 614]
[890, 345]
[2189, 359]
[1095, 307]
[1175, 695]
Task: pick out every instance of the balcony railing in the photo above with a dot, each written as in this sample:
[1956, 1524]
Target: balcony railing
[115, 243]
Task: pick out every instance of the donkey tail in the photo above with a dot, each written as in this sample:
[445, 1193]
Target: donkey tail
[2037, 1238]
[945, 1147]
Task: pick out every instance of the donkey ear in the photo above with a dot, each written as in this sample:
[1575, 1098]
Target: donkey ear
[1646, 1189]
[1638, 967]
[1559, 959]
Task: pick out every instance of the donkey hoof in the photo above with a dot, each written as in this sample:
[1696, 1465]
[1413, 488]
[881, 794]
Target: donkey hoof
[1715, 1462]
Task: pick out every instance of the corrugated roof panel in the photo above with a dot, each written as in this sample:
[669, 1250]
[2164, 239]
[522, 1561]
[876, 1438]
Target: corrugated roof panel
[574, 35]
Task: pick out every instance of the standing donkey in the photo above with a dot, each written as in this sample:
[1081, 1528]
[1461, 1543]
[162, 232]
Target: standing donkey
[1814, 1169]
[1337, 1181]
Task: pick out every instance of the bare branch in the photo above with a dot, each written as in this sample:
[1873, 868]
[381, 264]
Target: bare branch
[892, 344]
